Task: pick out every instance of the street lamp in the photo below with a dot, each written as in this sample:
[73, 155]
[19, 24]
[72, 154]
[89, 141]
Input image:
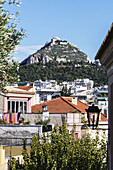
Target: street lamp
[93, 115]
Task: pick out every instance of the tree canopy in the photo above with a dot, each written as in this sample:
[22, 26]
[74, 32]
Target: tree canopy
[10, 37]
[64, 71]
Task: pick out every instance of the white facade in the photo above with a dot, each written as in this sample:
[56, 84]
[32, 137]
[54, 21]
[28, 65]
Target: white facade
[85, 83]
[44, 94]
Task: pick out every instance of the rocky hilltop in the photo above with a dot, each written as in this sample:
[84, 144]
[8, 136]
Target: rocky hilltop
[57, 50]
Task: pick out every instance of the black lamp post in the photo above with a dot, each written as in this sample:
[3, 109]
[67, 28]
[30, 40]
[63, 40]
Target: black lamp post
[93, 115]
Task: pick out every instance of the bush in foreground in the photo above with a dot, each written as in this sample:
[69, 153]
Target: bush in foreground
[63, 153]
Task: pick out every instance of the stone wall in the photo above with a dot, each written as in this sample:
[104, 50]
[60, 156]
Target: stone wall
[32, 117]
[56, 119]
[13, 134]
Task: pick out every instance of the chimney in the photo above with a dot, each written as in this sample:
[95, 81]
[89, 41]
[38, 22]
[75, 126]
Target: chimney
[74, 100]
[45, 112]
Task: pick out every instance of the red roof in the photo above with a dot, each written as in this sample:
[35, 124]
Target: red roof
[103, 117]
[27, 88]
[60, 105]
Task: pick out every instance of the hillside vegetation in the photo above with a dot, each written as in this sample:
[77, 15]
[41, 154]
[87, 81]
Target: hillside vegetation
[64, 71]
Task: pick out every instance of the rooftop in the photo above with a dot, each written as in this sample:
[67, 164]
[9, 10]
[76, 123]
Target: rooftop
[11, 89]
[27, 88]
[60, 105]
[103, 117]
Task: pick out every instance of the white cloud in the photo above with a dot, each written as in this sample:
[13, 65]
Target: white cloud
[27, 49]
[22, 52]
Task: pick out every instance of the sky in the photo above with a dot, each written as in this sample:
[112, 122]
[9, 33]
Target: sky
[84, 23]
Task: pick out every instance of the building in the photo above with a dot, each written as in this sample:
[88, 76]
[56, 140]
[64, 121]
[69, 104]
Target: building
[1, 102]
[85, 83]
[29, 89]
[17, 100]
[46, 90]
[102, 97]
[84, 95]
[105, 55]
[45, 94]
[61, 109]
[45, 84]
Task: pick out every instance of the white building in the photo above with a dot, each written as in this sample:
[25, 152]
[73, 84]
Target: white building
[86, 83]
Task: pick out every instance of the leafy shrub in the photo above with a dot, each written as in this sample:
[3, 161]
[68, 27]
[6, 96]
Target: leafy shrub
[21, 120]
[2, 121]
[64, 152]
[27, 122]
[43, 122]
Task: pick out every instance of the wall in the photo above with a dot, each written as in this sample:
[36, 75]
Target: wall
[102, 134]
[74, 118]
[56, 119]
[13, 134]
[110, 117]
[32, 117]
[1, 103]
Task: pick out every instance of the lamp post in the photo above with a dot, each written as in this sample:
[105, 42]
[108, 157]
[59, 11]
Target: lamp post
[93, 115]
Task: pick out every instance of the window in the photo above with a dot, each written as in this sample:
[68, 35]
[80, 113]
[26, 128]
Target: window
[21, 106]
[25, 107]
[15, 106]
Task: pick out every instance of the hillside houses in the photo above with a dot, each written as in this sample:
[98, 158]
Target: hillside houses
[49, 89]
[81, 88]
[29, 100]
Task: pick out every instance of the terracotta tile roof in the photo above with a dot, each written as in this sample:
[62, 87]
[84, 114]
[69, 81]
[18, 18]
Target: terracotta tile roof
[105, 43]
[60, 105]
[80, 105]
[25, 87]
[103, 117]
[11, 89]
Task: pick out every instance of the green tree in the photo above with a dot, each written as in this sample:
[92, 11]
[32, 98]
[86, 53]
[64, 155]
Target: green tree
[10, 37]
[64, 72]
[64, 152]
[65, 91]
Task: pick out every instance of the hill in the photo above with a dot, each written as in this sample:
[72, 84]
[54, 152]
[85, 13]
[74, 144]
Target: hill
[64, 71]
[57, 50]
